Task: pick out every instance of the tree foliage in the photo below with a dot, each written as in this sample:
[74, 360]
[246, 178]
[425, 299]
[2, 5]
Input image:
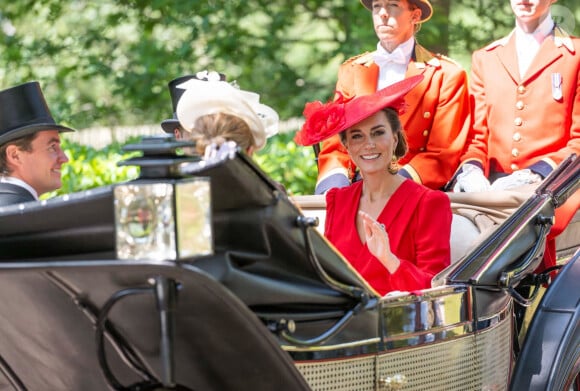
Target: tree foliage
[107, 62]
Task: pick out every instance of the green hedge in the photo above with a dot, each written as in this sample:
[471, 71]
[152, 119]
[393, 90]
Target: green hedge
[290, 164]
[89, 167]
[281, 159]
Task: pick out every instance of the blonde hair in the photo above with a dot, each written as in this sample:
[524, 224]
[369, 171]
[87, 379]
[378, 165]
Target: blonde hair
[218, 128]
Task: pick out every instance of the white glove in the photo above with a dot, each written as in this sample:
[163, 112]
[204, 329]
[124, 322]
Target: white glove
[516, 179]
[471, 179]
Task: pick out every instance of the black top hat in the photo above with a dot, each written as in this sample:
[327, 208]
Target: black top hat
[23, 111]
[169, 125]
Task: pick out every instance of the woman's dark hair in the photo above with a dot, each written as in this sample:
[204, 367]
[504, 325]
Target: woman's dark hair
[397, 128]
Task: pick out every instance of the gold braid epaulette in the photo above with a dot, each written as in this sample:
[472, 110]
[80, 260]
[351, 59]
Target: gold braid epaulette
[361, 59]
[449, 59]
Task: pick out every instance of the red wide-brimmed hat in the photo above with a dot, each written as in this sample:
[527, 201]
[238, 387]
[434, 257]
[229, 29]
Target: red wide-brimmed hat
[324, 120]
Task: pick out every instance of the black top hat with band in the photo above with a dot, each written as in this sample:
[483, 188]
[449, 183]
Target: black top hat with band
[23, 111]
[169, 125]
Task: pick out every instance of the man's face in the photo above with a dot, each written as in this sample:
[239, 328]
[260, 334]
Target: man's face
[184, 135]
[394, 21]
[40, 167]
[531, 11]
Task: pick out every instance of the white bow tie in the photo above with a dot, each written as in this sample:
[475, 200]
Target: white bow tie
[396, 57]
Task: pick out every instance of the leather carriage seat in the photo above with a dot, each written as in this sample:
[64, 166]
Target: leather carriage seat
[567, 242]
[312, 206]
[474, 216]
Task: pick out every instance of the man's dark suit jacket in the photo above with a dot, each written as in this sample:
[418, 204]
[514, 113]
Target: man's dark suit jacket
[12, 194]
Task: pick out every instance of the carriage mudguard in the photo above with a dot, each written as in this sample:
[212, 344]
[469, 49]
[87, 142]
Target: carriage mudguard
[551, 351]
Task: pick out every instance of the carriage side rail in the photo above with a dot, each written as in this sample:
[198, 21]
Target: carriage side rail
[515, 248]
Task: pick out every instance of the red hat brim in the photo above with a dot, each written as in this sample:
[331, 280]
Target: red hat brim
[325, 120]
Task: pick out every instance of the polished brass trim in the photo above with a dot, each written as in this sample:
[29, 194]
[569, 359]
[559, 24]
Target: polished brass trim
[371, 341]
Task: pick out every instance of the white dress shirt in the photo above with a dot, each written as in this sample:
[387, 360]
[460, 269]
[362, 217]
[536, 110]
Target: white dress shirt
[528, 44]
[393, 66]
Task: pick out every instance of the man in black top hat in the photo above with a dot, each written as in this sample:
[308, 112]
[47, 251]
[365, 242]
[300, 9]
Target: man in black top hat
[172, 125]
[30, 152]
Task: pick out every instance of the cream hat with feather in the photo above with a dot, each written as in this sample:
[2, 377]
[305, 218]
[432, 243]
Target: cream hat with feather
[210, 97]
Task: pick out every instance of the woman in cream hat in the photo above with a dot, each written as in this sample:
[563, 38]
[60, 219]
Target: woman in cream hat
[214, 111]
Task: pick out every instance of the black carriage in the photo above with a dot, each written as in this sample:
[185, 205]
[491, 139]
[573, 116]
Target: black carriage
[203, 275]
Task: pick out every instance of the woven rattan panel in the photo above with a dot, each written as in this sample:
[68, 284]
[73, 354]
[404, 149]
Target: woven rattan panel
[347, 374]
[474, 362]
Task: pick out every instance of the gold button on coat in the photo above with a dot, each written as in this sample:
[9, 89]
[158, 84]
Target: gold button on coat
[425, 133]
[521, 89]
[517, 136]
[519, 105]
[514, 167]
[426, 115]
[515, 152]
[518, 121]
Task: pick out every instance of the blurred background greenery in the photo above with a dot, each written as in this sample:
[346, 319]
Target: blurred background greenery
[106, 63]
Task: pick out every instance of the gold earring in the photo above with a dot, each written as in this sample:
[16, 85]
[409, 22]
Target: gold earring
[350, 172]
[394, 166]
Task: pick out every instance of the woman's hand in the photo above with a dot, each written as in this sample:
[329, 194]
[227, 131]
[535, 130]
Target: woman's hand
[377, 242]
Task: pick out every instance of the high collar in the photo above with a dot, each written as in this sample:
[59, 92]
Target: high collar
[540, 33]
[406, 47]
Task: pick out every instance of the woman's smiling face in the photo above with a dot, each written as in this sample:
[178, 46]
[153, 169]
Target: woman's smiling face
[371, 143]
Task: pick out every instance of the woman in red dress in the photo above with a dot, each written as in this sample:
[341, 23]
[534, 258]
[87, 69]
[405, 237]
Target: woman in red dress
[393, 231]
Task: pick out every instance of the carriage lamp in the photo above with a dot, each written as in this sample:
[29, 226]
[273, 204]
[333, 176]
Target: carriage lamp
[160, 221]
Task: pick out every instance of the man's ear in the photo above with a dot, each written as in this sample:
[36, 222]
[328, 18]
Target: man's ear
[13, 154]
[417, 13]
